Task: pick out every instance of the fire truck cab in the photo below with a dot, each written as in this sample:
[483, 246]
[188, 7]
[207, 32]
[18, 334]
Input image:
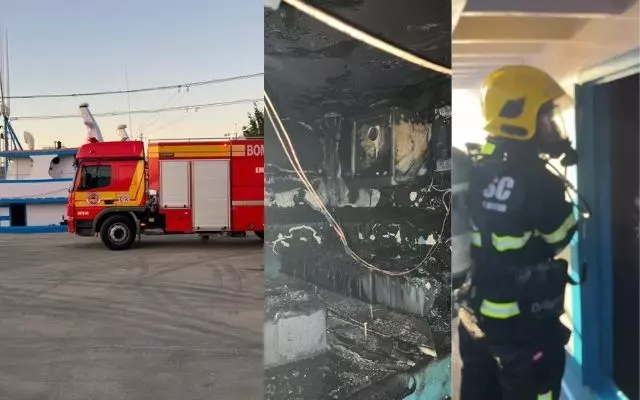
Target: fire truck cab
[189, 186]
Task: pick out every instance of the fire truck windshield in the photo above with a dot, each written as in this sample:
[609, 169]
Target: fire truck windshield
[92, 177]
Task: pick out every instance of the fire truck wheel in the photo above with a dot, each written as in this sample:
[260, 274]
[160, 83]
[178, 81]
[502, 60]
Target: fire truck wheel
[118, 232]
[260, 234]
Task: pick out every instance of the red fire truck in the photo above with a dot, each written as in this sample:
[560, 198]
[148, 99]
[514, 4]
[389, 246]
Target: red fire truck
[204, 187]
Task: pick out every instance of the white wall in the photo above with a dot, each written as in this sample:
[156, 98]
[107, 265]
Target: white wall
[599, 41]
[9, 189]
[41, 167]
[467, 124]
[4, 212]
[20, 168]
[64, 169]
[292, 337]
[38, 214]
[45, 214]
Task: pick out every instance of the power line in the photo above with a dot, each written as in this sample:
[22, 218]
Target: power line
[194, 107]
[177, 96]
[139, 90]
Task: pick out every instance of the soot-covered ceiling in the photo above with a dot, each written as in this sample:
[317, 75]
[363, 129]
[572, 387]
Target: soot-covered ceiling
[312, 69]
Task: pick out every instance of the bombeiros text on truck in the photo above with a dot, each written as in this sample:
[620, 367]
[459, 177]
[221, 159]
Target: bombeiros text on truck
[190, 186]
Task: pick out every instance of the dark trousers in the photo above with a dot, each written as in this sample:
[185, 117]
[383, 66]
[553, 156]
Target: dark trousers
[506, 370]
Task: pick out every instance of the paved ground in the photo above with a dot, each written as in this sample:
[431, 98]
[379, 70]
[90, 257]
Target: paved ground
[172, 319]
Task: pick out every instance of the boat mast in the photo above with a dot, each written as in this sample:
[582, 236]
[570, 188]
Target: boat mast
[10, 140]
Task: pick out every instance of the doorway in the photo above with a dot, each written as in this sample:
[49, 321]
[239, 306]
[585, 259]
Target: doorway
[18, 215]
[607, 303]
[624, 129]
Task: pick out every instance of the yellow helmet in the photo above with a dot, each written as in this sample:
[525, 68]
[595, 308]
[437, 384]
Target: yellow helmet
[512, 97]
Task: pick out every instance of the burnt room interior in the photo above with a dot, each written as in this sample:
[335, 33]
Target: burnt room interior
[357, 295]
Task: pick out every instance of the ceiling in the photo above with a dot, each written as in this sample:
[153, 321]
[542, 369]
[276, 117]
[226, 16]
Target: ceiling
[312, 70]
[493, 33]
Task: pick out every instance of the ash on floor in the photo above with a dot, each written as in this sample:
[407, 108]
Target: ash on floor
[358, 357]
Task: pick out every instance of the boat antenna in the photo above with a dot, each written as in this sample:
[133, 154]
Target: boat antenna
[126, 78]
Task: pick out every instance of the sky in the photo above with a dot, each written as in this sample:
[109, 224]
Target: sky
[72, 46]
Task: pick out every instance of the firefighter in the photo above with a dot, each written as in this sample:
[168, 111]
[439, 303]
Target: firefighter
[511, 338]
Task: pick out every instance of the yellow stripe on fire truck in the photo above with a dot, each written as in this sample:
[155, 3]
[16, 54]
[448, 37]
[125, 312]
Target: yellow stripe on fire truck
[190, 150]
[132, 197]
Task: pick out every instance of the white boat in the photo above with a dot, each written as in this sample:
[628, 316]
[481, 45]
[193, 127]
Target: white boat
[34, 192]
[35, 187]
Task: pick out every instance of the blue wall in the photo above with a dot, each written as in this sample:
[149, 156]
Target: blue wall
[592, 302]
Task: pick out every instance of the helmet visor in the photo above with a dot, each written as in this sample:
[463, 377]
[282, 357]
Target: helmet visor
[551, 126]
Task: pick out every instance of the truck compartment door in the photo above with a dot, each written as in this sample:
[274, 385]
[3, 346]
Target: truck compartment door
[210, 182]
[174, 184]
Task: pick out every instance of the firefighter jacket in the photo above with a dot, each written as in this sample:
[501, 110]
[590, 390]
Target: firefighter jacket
[520, 221]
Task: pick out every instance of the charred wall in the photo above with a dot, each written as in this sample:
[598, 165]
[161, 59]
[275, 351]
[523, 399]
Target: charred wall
[372, 133]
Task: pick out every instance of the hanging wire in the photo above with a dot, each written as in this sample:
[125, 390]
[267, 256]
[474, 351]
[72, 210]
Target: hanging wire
[193, 107]
[290, 152]
[153, 119]
[140, 90]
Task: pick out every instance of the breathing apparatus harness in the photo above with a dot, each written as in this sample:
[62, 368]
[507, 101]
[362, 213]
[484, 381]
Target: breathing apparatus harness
[568, 157]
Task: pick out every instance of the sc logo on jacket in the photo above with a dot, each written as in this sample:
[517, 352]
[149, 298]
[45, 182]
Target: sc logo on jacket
[497, 193]
[499, 189]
